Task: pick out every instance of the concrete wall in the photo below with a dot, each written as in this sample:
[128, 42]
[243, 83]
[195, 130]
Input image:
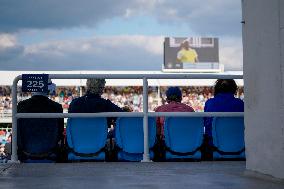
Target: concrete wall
[263, 40]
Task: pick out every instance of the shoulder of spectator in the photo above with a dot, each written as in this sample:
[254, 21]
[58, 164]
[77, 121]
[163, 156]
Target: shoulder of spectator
[75, 101]
[70, 109]
[241, 104]
[209, 101]
[208, 104]
[157, 109]
[112, 105]
[21, 105]
[240, 100]
[59, 107]
[191, 109]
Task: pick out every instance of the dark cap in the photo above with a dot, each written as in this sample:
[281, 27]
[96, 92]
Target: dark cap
[174, 92]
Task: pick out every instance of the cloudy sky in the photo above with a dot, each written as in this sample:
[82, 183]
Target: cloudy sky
[111, 34]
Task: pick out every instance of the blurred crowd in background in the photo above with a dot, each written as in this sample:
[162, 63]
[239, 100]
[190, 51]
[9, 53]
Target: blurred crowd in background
[122, 96]
[5, 141]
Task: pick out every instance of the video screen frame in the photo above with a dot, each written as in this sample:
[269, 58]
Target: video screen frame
[191, 54]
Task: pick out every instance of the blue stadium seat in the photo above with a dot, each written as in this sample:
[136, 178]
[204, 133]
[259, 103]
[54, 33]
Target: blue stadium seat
[43, 146]
[183, 137]
[228, 137]
[129, 138]
[86, 138]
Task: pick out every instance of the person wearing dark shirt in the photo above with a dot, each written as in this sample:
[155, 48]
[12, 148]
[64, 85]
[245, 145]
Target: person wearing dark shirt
[40, 138]
[92, 102]
[223, 101]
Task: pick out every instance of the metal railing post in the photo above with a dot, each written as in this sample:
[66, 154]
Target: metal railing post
[146, 156]
[14, 156]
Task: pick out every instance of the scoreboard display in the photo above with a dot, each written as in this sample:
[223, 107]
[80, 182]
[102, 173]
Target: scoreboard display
[191, 53]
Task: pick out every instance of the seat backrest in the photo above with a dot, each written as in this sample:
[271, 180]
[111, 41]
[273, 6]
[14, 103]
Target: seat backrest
[183, 134]
[129, 134]
[86, 135]
[228, 133]
[38, 135]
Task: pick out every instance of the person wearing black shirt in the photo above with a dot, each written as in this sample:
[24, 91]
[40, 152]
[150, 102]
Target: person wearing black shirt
[40, 138]
[92, 102]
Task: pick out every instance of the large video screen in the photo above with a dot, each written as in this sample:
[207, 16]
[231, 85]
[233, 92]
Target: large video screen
[191, 53]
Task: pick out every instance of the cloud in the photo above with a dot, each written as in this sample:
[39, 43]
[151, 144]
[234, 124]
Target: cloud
[219, 18]
[9, 47]
[123, 52]
[213, 17]
[99, 45]
[206, 17]
[231, 53]
[98, 53]
[29, 14]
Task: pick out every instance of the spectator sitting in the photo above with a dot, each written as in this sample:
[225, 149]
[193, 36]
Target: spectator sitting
[223, 101]
[174, 97]
[92, 102]
[40, 138]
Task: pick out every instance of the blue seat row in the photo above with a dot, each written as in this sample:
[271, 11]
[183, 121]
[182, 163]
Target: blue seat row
[183, 138]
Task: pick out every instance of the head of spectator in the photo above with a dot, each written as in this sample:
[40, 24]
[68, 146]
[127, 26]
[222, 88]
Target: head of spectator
[95, 86]
[174, 94]
[225, 86]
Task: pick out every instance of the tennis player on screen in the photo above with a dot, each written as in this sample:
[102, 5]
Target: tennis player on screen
[187, 54]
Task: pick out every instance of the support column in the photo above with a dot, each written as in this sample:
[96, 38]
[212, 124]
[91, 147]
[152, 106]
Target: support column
[263, 40]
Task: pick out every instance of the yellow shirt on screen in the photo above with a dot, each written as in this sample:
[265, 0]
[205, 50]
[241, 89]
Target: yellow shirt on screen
[187, 55]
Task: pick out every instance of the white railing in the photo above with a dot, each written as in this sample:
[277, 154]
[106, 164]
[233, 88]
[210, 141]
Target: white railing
[145, 114]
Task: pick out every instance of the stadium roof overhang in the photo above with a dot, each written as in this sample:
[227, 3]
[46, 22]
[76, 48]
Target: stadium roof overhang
[7, 77]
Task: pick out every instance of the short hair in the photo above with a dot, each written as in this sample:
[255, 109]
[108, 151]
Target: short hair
[95, 86]
[225, 86]
[174, 94]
